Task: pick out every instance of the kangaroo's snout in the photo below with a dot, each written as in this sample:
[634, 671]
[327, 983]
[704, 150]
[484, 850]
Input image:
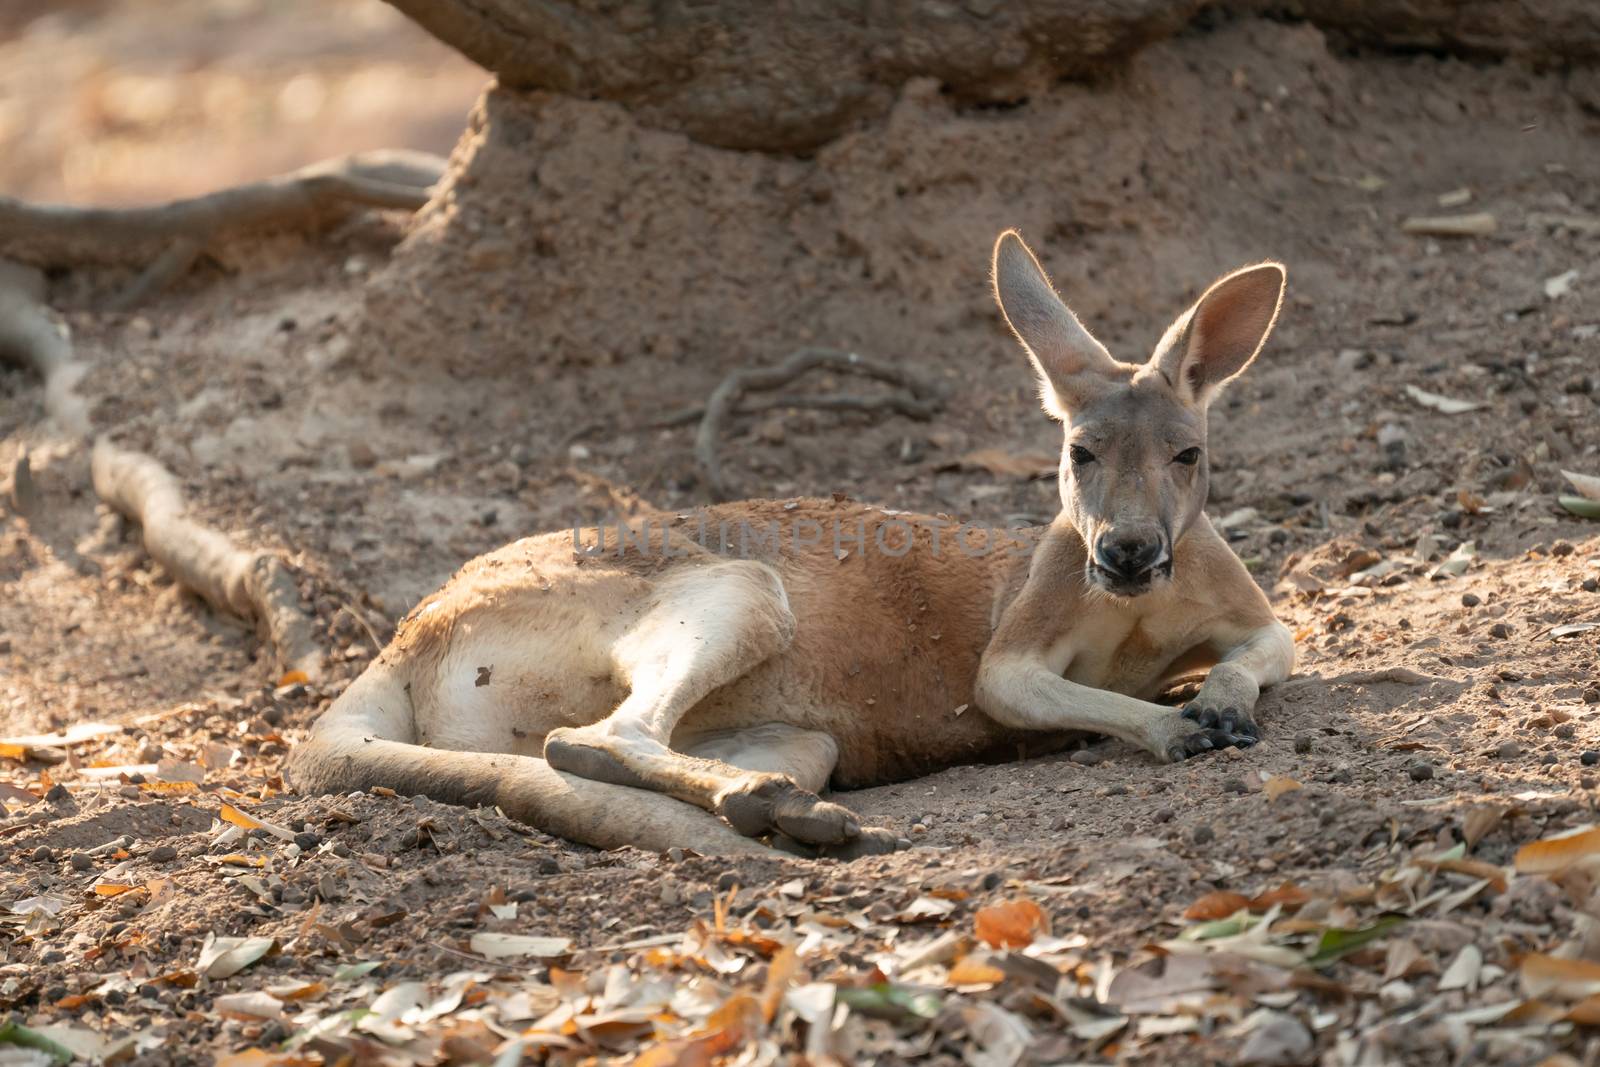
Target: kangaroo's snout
[1127, 561]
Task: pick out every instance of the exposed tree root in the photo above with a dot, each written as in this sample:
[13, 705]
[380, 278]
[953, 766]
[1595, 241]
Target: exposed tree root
[917, 401]
[249, 585]
[30, 338]
[165, 239]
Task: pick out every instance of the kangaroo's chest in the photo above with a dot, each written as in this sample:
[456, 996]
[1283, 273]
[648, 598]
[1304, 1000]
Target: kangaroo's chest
[1126, 647]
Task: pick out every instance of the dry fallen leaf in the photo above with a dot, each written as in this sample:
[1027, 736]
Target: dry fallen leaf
[972, 970]
[1550, 976]
[1217, 905]
[1012, 924]
[221, 957]
[1446, 404]
[1555, 854]
[1278, 785]
[496, 945]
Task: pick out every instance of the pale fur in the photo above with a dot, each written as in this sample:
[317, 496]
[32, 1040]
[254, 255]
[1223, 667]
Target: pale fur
[632, 697]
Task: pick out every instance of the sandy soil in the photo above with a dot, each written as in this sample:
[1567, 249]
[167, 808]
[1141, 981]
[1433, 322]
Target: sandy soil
[403, 394]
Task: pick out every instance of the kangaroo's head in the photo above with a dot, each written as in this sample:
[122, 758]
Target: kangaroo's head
[1133, 474]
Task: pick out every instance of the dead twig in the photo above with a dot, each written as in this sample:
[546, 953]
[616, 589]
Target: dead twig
[917, 402]
[165, 239]
[250, 585]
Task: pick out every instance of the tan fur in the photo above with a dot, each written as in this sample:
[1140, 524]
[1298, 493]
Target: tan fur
[590, 693]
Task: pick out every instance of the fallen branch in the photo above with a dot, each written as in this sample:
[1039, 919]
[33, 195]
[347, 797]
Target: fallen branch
[250, 585]
[166, 239]
[916, 402]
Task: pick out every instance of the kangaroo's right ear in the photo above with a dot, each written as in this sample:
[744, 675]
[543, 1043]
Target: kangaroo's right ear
[1070, 361]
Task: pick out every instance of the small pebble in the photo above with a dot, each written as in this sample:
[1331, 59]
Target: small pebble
[1590, 758]
[1591, 585]
[1116, 790]
[1566, 731]
[163, 854]
[1561, 548]
[1591, 695]
[1163, 815]
[1420, 771]
[58, 795]
[1204, 835]
[1508, 750]
[42, 854]
[1500, 630]
[1088, 757]
[1549, 758]
[80, 861]
[1470, 600]
[307, 842]
[1303, 743]
[1233, 785]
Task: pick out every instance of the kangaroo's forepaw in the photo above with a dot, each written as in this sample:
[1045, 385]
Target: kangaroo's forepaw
[1228, 719]
[767, 803]
[1208, 739]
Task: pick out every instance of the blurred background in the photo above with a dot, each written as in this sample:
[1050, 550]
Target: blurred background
[124, 102]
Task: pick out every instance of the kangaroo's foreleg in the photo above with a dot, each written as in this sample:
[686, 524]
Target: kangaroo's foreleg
[1022, 691]
[1258, 658]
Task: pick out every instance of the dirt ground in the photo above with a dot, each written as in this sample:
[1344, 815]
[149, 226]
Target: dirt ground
[391, 398]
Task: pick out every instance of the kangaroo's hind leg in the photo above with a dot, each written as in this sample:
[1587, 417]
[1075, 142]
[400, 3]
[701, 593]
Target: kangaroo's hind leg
[805, 757]
[706, 627]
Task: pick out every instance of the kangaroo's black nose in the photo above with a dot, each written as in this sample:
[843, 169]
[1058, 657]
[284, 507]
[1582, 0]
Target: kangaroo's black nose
[1127, 556]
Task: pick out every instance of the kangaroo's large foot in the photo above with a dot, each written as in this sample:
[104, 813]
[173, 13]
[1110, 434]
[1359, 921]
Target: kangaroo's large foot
[760, 804]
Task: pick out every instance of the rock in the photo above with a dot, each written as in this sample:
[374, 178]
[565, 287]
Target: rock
[1591, 585]
[1420, 771]
[1470, 600]
[81, 861]
[1088, 757]
[1508, 750]
[1203, 835]
[58, 794]
[43, 854]
[1500, 630]
[1590, 758]
[1591, 695]
[1566, 731]
[1303, 743]
[738, 75]
[1234, 785]
[307, 841]
[1163, 815]
[163, 854]
[1561, 549]
[1280, 1039]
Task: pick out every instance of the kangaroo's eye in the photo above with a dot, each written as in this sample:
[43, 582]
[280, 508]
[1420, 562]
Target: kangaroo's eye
[1188, 457]
[1080, 456]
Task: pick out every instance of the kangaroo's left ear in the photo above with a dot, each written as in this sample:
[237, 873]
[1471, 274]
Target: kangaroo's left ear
[1218, 337]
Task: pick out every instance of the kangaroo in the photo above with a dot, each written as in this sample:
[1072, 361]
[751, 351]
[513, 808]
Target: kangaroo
[672, 692]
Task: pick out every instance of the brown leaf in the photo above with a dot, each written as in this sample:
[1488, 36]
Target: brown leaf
[1290, 896]
[1555, 854]
[971, 970]
[1544, 975]
[1012, 924]
[1479, 821]
[1217, 905]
